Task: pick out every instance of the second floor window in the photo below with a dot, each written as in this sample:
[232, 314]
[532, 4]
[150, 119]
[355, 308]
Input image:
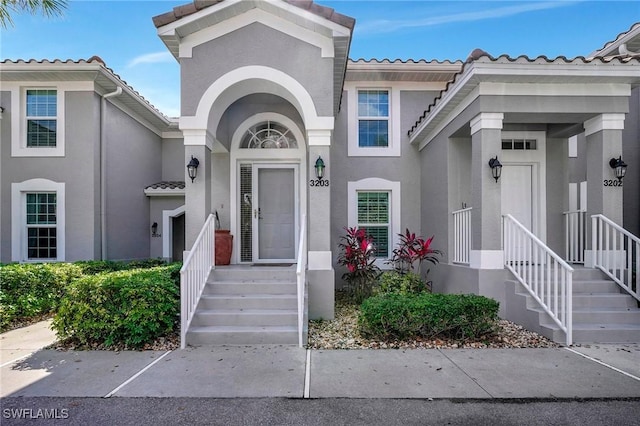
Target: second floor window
[373, 118]
[42, 118]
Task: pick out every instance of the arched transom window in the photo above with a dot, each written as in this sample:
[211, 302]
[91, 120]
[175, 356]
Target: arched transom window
[268, 134]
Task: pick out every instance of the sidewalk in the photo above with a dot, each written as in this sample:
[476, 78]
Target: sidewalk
[291, 372]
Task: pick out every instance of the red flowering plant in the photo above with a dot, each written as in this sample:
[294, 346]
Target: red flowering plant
[358, 255]
[413, 249]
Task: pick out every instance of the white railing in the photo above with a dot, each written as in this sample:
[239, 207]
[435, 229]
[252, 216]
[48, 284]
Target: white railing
[575, 225]
[547, 277]
[301, 275]
[616, 252]
[461, 235]
[194, 273]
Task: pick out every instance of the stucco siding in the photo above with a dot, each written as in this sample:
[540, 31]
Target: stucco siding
[172, 159]
[134, 159]
[557, 185]
[257, 44]
[157, 206]
[435, 197]
[76, 170]
[631, 156]
[404, 169]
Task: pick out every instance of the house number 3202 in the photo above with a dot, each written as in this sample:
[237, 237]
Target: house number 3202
[318, 182]
[612, 182]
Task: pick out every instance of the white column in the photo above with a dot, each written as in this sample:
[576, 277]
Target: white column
[197, 143]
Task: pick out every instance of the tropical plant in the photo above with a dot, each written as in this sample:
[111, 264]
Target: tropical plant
[358, 255]
[413, 249]
[47, 7]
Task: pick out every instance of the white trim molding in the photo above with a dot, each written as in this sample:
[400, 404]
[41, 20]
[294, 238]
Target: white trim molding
[167, 230]
[19, 216]
[604, 122]
[257, 15]
[486, 259]
[377, 184]
[486, 120]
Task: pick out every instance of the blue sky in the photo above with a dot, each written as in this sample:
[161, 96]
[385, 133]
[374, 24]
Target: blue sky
[122, 33]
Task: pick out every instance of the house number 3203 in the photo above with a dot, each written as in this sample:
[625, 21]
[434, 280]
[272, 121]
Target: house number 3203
[318, 182]
[612, 182]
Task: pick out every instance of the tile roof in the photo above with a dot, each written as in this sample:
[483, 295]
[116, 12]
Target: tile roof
[92, 60]
[197, 5]
[169, 185]
[620, 36]
[479, 55]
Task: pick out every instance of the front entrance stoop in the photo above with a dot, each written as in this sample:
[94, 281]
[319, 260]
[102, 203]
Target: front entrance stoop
[251, 305]
[602, 311]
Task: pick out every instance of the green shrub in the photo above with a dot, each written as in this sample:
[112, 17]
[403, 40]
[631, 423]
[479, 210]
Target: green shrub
[392, 282]
[90, 267]
[130, 307]
[401, 316]
[29, 290]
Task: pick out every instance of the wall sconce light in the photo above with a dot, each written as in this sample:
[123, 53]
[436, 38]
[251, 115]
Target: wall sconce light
[154, 229]
[496, 168]
[1, 112]
[192, 168]
[619, 166]
[319, 168]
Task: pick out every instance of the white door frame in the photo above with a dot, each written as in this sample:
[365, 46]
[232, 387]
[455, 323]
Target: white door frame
[536, 158]
[277, 157]
[167, 230]
[255, 222]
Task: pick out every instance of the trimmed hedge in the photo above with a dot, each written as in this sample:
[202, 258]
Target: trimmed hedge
[90, 267]
[130, 307]
[427, 315]
[392, 282]
[29, 290]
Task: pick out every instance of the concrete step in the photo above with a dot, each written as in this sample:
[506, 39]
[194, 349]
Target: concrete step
[251, 287]
[580, 273]
[607, 316]
[595, 286]
[278, 273]
[590, 300]
[249, 317]
[598, 333]
[238, 335]
[251, 301]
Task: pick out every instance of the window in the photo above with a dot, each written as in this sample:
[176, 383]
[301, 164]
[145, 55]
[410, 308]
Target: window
[41, 225]
[41, 115]
[373, 217]
[268, 134]
[374, 205]
[519, 144]
[373, 118]
[38, 218]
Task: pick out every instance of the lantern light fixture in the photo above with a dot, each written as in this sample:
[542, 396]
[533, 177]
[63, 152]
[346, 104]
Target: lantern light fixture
[192, 168]
[619, 166]
[496, 168]
[319, 168]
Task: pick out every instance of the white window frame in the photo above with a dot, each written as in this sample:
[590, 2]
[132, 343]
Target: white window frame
[394, 137]
[28, 117]
[377, 185]
[19, 217]
[19, 116]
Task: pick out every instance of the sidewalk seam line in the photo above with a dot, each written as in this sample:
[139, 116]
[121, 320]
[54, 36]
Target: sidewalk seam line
[18, 359]
[135, 376]
[466, 374]
[604, 363]
[307, 376]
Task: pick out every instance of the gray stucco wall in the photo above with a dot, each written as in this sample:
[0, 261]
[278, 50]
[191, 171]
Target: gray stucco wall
[134, 158]
[172, 159]
[257, 44]
[404, 169]
[76, 169]
[435, 179]
[557, 193]
[157, 205]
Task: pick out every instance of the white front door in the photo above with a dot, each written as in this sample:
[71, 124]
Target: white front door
[275, 212]
[517, 193]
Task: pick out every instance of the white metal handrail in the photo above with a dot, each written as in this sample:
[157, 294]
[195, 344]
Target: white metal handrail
[575, 225]
[616, 252]
[301, 276]
[547, 278]
[194, 273]
[462, 235]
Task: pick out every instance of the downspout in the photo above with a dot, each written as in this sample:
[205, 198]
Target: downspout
[103, 173]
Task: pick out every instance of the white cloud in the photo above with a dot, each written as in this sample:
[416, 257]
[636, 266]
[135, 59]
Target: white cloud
[151, 58]
[388, 26]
